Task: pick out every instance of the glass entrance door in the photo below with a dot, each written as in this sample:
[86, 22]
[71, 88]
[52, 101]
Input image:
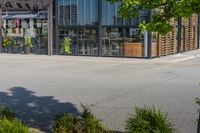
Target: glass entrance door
[112, 42]
[87, 42]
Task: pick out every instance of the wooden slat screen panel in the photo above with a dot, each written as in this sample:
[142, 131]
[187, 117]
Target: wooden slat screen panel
[168, 43]
[191, 30]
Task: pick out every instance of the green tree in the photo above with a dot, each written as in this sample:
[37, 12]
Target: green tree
[163, 11]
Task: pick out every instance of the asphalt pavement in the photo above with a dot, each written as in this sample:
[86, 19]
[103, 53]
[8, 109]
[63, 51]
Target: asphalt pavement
[39, 87]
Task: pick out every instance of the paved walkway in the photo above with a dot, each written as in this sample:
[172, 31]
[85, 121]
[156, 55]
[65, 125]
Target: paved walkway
[38, 87]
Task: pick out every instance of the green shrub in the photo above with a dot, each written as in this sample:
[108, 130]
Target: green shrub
[87, 123]
[66, 123]
[91, 123]
[6, 113]
[12, 126]
[148, 120]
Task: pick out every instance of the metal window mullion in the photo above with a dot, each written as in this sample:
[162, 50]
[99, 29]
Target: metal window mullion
[99, 37]
[108, 5]
[84, 14]
[63, 12]
[116, 16]
[91, 11]
[77, 13]
[70, 12]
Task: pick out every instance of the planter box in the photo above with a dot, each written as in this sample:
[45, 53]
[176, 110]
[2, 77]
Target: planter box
[134, 50]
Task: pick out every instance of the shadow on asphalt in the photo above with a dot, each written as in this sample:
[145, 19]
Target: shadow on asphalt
[36, 111]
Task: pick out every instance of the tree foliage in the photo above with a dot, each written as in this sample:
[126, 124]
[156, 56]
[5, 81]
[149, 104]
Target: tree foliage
[162, 11]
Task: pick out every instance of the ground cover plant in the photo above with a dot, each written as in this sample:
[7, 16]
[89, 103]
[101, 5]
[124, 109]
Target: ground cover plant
[9, 124]
[148, 120]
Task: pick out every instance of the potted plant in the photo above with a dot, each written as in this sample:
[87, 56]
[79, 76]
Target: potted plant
[28, 44]
[66, 46]
[8, 43]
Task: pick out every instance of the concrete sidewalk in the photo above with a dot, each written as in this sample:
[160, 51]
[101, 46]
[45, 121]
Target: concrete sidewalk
[166, 59]
[178, 57]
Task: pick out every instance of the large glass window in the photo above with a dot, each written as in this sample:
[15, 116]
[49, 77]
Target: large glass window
[110, 14]
[77, 12]
[87, 42]
[134, 43]
[68, 41]
[112, 42]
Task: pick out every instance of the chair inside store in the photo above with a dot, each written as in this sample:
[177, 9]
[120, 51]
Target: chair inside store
[24, 26]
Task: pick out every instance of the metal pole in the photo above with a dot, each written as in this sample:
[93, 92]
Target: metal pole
[145, 43]
[100, 29]
[149, 55]
[50, 27]
[56, 28]
[179, 34]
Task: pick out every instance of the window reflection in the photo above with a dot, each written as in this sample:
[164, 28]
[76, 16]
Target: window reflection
[112, 42]
[77, 12]
[110, 14]
[88, 42]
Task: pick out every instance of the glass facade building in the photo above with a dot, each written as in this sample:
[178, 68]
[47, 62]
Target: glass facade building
[95, 28]
[90, 28]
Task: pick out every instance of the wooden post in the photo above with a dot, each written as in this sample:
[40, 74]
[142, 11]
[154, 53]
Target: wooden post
[50, 27]
[1, 38]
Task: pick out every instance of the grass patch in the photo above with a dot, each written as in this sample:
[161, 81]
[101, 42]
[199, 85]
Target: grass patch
[12, 126]
[6, 113]
[9, 124]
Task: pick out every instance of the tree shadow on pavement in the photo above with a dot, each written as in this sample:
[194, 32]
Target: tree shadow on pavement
[37, 111]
